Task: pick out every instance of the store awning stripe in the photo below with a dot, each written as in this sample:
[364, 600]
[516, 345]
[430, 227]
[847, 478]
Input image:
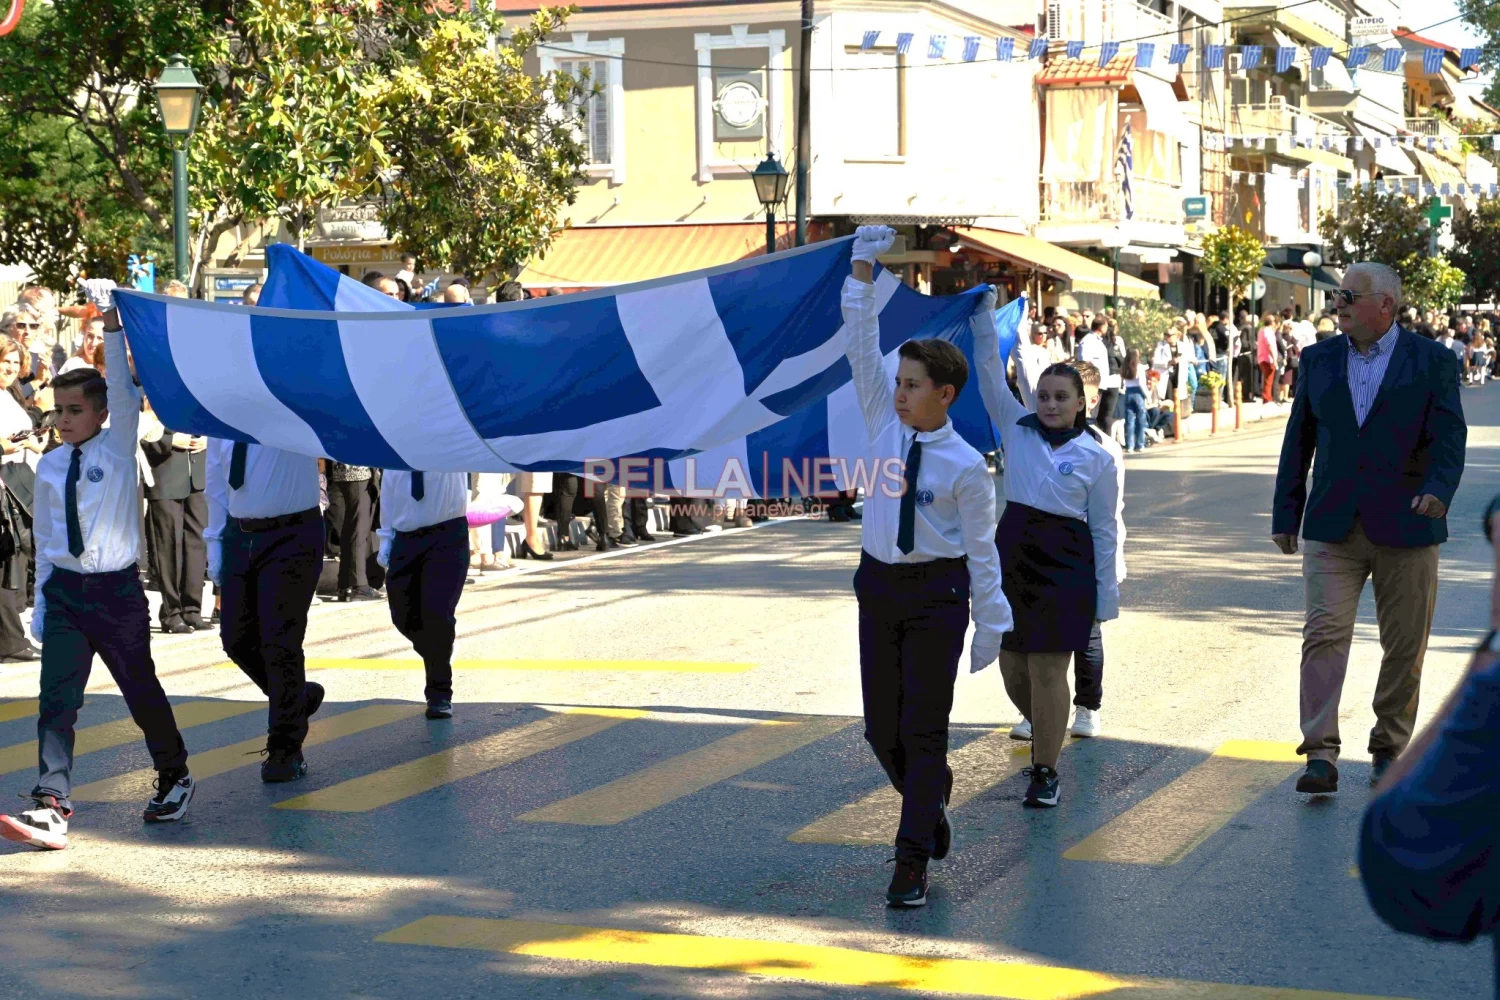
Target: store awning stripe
[1084, 275]
[602, 256]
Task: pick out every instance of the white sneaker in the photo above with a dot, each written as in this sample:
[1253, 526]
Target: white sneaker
[1021, 731]
[1085, 722]
[44, 826]
[174, 790]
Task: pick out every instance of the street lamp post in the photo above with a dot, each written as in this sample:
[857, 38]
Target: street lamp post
[1115, 240]
[179, 97]
[1310, 260]
[770, 187]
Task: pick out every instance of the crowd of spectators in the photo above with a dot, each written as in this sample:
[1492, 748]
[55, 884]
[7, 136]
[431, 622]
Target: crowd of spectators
[41, 338]
[1256, 357]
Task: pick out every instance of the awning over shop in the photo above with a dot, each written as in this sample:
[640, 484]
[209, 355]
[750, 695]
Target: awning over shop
[1323, 280]
[1083, 274]
[600, 256]
[1163, 110]
[1436, 170]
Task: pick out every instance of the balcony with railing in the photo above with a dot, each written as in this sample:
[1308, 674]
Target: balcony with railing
[1103, 203]
[1447, 135]
[1317, 22]
[1277, 117]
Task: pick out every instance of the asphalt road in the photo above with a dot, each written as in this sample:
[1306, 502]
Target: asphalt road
[655, 786]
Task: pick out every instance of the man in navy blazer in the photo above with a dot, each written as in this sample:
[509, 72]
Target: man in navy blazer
[1379, 409]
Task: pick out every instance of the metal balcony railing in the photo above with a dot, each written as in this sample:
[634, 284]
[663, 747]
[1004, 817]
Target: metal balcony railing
[1103, 202]
[1319, 13]
[1280, 118]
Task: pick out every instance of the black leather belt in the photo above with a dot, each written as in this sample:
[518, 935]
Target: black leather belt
[280, 521]
[449, 524]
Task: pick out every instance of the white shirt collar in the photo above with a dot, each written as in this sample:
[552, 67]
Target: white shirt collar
[942, 433]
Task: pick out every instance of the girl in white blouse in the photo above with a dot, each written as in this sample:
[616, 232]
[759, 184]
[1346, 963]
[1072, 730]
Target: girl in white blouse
[1057, 542]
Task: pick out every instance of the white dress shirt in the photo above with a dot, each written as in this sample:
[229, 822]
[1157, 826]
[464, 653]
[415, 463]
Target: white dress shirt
[276, 483]
[13, 420]
[1093, 350]
[959, 519]
[1031, 361]
[1081, 479]
[108, 499]
[445, 496]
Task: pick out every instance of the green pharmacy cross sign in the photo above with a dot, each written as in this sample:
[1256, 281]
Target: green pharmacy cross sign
[1436, 213]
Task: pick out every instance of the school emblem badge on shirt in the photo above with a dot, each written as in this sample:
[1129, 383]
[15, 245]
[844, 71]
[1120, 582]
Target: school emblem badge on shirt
[1066, 468]
[96, 474]
[924, 498]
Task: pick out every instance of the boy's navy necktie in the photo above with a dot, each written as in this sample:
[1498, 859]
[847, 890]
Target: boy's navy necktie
[418, 486]
[70, 497]
[906, 530]
[237, 465]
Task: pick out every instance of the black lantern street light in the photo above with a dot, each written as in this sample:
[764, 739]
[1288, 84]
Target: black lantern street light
[770, 187]
[179, 97]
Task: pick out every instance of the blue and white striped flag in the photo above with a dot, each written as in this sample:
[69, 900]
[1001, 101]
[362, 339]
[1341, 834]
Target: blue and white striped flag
[1285, 56]
[1392, 58]
[1432, 61]
[1145, 54]
[1125, 170]
[742, 362]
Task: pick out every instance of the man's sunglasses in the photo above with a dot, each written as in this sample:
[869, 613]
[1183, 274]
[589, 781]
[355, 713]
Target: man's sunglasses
[28, 326]
[1347, 297]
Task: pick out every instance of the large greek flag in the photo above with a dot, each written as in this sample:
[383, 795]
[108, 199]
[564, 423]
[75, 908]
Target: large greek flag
[735, 374]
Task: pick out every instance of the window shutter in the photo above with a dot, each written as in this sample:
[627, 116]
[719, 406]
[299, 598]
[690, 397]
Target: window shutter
[599, 111]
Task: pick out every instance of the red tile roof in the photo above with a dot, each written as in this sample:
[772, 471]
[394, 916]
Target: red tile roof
[1062, 70]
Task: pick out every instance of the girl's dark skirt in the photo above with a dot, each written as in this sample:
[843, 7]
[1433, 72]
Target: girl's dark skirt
[1047, 567]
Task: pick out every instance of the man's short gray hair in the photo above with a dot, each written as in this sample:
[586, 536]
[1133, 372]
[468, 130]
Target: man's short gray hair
[1382, 278]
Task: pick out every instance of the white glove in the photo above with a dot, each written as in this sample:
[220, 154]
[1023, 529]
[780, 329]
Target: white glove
[872, 241]
[990, 298]
[38, 615]
[984, 650]
[384, 555]
[216, 561]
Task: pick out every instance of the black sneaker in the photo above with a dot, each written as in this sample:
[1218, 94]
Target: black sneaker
[1379, 764]
[282, 764]
[1320, 778]
[1043, 792]
[315, 693]
[944, 834]
[176, 626]
[440, 708]
[909, 885]
[174, 790]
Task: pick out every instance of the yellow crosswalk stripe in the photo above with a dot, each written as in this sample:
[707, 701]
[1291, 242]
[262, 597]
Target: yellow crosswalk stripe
[212, 763]
[601, 666]
[978, 765]
[1169, 824]
[1015, 979]
[457, 763]
[13, 710]
[22, 756]
[687, 773]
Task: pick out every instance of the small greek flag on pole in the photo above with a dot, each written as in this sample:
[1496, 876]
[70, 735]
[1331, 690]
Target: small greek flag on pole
[1145, 53]
[1107, 52]
[903, 42]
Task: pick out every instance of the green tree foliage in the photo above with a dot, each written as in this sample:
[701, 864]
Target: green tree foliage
[1476, 251]
[486, 155]
[1146, 322]
[1387, 228]
[424, 107]
[1431, 282]
[1232, 257]
[86, 171]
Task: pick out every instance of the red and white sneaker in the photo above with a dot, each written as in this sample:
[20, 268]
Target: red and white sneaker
[45, 826]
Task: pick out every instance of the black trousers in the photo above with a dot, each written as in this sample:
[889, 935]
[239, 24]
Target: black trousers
[912, 620]
[104, 613]
[268, 582]
[568, 486]
[1108, 400]
[12, 634]
[175, 528]
[1088, 671]
[424, 582]
[637, 517]
[351, 508]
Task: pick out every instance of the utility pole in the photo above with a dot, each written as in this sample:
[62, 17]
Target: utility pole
[804, 124]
